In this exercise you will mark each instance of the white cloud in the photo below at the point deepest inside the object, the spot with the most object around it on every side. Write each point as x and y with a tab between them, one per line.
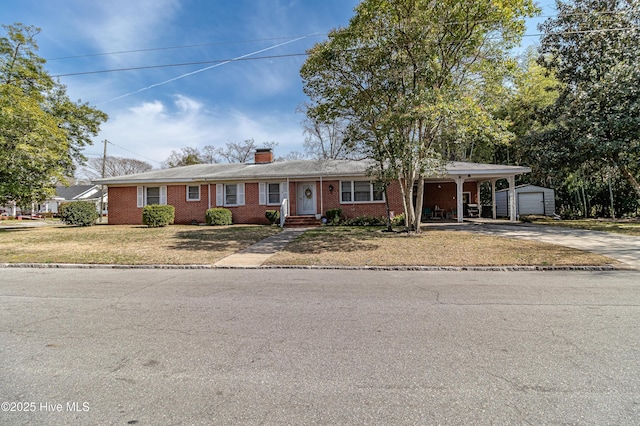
151	130
124	24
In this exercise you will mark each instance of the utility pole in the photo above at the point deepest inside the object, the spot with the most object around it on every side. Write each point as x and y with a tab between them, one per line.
104	164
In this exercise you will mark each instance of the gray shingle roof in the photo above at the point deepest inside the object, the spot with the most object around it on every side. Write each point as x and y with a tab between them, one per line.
71	192
297	169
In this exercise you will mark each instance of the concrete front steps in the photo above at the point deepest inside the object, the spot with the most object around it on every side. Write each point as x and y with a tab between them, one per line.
302	222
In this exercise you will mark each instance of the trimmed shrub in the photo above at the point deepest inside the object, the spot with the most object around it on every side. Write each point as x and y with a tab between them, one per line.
365	221
157	216
78	213
398	220
272	215
334	216
218	216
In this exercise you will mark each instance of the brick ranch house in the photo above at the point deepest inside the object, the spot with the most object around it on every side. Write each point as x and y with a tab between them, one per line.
306	188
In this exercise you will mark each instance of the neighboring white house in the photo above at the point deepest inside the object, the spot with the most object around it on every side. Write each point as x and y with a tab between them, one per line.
65	194
530	199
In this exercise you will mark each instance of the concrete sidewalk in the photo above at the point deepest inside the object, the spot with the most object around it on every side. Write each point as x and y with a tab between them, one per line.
256	254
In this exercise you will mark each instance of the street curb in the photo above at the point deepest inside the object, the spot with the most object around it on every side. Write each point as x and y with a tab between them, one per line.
511	268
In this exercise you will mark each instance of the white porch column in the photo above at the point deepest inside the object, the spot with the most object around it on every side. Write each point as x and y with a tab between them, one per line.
494	214
321	197
479	200
459	204
512	198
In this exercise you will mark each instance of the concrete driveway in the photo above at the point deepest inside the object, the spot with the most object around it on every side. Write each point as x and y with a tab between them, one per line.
623	248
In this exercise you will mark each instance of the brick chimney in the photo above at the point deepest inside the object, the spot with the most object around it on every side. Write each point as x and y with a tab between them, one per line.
263	156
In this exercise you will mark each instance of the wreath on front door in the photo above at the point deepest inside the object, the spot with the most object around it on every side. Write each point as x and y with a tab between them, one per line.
307	193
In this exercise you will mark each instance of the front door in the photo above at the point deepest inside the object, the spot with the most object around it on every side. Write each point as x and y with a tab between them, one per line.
306	198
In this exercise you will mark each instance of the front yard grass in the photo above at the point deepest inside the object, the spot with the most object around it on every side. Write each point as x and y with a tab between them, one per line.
327	246
354	246
127	245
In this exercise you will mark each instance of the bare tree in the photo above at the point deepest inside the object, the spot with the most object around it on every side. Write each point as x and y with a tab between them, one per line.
186	157
233	152
210	154
238	152
327	141
114	166
293	155
242	152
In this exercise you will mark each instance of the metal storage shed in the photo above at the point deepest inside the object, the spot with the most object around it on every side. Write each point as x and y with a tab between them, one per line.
530	199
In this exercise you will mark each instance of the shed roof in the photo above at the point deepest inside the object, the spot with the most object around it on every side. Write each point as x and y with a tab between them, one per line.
527	187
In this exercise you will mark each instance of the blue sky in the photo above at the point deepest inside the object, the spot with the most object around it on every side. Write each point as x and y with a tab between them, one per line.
154	111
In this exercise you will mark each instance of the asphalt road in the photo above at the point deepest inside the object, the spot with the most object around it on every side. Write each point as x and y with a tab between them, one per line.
224	347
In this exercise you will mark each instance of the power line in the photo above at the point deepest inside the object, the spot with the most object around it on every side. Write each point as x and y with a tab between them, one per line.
222	43
240	59
179	64
140	155
189	46
202	70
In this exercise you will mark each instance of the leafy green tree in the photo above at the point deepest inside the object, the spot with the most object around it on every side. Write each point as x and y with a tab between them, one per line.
533	90
42	132
593	47
415	81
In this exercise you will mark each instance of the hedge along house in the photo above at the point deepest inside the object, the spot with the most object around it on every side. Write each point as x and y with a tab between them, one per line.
300	188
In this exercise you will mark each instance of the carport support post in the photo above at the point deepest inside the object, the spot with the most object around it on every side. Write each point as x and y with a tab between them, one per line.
494	214
459	204
512	198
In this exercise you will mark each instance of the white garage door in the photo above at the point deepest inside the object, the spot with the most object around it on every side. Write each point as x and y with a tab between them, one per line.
531	203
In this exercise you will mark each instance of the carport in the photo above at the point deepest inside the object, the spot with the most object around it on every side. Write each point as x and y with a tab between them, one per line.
475	173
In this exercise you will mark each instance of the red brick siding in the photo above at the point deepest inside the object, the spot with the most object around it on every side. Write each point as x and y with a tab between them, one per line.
251	212
443	194
123	201
331	200
188	211
122	206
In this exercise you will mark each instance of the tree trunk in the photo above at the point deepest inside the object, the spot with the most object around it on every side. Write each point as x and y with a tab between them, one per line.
405	206
419	202
612	207
386	202
631	178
